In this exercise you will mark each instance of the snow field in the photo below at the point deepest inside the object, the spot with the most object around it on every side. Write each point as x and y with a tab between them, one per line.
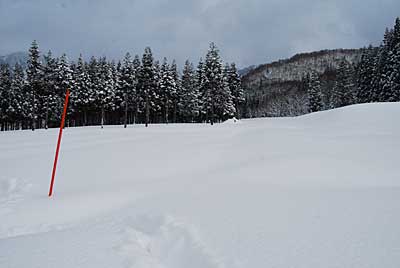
320	190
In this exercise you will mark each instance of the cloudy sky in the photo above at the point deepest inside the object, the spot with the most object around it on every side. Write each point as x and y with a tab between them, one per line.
246	31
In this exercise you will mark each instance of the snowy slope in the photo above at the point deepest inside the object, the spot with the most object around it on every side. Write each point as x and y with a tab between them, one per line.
322	190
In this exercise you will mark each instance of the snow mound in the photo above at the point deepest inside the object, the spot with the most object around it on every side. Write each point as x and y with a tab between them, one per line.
158	242
378	115
233	120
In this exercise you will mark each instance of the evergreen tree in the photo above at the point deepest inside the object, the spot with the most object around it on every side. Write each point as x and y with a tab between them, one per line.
213	82
394	76
5	88
94	76
224	100
380	81
147	82
64	74
15	108
200	86
157	102
343	91
127	85
235	87
136	96
176	90
365	75
391	88
64	81
34	84
314	93
105	90
50	97
167	86
189	103
82	96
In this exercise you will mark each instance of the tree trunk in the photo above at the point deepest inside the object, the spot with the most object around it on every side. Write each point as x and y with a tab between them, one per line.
212	112
147	110
46	124
33	123
136	112
102	117
33	113
126	110
84	117
166	110
237	110
175	111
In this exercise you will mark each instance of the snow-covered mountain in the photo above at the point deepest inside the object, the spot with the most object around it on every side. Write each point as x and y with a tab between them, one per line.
321	190
277	88
245	71
298	66
13	58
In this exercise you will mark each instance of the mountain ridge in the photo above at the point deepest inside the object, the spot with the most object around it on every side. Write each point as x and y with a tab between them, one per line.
278	88
15	57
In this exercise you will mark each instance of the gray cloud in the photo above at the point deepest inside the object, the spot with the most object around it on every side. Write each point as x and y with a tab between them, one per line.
247	31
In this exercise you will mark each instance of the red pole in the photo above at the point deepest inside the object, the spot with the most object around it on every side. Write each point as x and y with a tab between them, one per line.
58	143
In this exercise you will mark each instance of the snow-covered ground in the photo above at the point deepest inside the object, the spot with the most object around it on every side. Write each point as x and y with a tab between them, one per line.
322	190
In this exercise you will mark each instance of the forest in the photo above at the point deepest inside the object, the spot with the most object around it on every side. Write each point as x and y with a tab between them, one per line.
132	91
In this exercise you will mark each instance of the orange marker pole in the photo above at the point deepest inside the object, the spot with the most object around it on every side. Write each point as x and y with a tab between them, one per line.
59	142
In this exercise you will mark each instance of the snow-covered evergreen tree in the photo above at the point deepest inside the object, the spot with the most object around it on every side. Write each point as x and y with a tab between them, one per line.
34	84
136	97
51	95
394	75
381	69
343	91
157	101
176	91
147	82
167	86
5	88
314	93
64	81
365	75
213	82
235	87
200	85
82	95
189	101
16	96
105	90
64	74
127	85
225	106
391	85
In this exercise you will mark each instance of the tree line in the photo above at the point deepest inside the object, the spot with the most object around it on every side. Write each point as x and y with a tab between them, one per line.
375	78
132	91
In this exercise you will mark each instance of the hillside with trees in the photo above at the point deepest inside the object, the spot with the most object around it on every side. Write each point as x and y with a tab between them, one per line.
325	79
